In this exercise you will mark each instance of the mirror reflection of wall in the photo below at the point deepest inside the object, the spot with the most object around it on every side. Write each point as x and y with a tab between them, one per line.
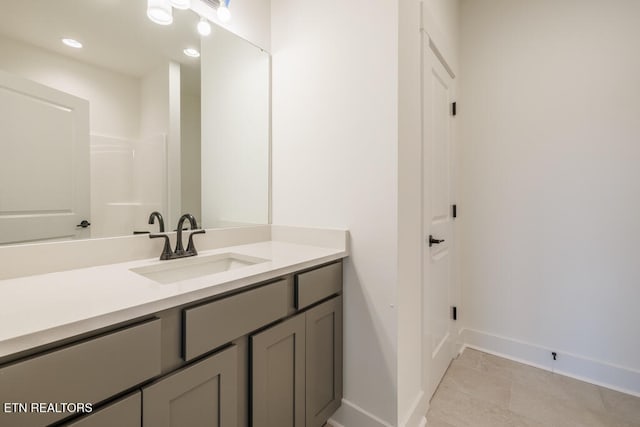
128	131
235	132
145	124
190	136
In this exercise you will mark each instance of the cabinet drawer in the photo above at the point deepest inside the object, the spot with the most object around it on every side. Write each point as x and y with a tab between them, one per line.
214	324
315	285
87	372
126	412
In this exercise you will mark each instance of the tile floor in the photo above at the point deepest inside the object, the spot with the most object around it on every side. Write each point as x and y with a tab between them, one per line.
482	390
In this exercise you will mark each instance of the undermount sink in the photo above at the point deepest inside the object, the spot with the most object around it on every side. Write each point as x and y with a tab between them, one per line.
191	268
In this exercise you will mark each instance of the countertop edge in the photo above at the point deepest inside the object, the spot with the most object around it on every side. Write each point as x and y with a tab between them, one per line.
50	336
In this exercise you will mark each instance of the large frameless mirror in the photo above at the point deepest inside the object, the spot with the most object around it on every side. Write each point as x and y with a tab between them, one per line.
128	123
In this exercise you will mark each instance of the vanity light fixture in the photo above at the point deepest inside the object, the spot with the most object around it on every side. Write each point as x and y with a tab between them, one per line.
72	43
193	53
160	11
224	15
204	27
180	4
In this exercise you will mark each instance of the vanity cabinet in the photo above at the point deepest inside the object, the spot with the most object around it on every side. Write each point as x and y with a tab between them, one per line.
266	355
296	369
203	394
278	375
125	412
89	371
324	361
317	284
216	323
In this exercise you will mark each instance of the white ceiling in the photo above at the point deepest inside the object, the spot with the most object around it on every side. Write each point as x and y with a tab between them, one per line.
116	33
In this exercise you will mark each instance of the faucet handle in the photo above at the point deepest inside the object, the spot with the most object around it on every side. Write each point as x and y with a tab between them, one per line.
191	249
167	253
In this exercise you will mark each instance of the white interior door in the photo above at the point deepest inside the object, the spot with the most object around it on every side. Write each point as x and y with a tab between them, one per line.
44	162
437	218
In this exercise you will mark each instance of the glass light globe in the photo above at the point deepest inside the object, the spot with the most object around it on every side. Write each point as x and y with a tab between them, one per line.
180	4
204	27
224	15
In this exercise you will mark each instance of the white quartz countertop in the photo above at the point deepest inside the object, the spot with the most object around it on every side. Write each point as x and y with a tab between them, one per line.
41	309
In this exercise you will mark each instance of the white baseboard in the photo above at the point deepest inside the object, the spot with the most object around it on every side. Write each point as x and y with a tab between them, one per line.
416	412
351	415
604	374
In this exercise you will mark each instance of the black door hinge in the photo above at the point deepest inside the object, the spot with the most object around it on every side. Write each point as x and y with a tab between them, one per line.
453	109
454	312
454	211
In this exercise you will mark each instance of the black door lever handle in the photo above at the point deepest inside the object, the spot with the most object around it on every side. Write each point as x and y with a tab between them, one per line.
433	241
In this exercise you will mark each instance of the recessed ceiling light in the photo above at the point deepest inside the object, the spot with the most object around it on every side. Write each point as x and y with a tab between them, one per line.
160	12
72	43
191	52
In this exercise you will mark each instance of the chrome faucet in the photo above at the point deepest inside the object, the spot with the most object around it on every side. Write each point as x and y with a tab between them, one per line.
179	252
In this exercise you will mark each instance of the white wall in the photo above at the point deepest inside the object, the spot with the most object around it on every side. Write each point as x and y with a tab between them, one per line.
235	131
155	102
190	159
549	112
174	176
114	98
412	401
114	114
152	159
335	131
441	19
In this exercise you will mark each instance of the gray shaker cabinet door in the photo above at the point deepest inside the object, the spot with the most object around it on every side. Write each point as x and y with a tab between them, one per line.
278	375
91	370
324	361
201	395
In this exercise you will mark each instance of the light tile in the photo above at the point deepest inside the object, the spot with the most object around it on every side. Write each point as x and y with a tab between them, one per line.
486	363
480	389
516	420
433	421
625	406
568	390
545	407
482	385
462	410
